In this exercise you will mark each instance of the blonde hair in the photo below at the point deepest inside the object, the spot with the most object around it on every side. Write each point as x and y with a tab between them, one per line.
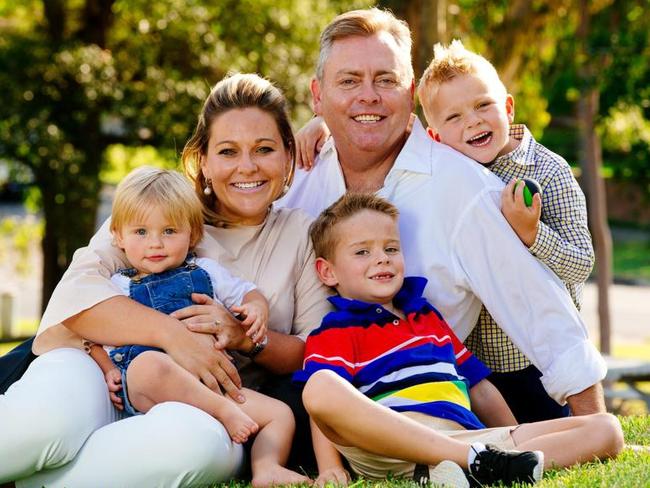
238	91
323	230
449	62
146	187
365	23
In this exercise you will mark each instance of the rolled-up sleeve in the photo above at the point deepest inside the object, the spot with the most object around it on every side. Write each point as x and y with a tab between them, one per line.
527	300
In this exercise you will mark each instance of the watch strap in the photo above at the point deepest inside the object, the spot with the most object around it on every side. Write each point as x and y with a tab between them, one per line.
258	347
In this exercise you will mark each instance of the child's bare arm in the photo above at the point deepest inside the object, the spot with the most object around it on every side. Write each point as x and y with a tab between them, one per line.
100	356
328	459
255	309
309	142
489	405
112	375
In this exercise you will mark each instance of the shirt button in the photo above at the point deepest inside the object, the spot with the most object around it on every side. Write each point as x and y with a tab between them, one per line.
378	310
117	357
395	322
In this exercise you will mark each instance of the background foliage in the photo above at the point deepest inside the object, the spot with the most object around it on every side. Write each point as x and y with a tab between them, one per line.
94	87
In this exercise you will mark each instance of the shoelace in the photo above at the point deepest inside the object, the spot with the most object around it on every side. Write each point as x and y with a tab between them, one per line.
489	471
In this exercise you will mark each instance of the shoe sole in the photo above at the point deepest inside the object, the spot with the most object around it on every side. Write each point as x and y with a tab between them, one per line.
538	471
449	475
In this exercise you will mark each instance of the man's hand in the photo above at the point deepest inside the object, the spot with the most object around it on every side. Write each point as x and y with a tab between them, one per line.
114	382
523	220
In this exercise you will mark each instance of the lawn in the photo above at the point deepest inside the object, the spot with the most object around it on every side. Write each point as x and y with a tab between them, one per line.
630	470
631	260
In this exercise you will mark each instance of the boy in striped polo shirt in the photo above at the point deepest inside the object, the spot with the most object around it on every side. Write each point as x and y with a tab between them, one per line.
389	385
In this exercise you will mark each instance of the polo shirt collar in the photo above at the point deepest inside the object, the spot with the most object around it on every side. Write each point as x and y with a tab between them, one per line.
408	299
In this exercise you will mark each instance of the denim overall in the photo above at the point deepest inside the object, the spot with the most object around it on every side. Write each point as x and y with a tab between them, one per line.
166	292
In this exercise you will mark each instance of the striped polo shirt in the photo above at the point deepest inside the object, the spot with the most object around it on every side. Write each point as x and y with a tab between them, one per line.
412	364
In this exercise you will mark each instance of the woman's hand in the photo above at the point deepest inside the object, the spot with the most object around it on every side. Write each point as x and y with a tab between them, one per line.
202	319
214	369
209	317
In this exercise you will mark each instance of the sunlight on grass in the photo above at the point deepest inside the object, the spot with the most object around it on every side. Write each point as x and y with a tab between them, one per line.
631	260
635	351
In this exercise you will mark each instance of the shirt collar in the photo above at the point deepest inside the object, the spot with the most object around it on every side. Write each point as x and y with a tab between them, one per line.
409	299
523	154
417	152
328	147
415	156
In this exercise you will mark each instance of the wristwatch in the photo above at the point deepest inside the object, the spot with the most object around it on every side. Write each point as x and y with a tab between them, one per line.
258	347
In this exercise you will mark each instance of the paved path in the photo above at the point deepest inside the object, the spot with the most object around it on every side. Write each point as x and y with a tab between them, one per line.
630	313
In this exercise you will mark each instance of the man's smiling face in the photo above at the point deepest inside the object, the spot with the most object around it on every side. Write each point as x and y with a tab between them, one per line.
366	93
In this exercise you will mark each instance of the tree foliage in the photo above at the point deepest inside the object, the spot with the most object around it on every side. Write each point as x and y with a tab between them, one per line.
82	75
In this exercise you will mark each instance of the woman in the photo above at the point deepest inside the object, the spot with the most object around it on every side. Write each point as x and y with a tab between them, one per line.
58	425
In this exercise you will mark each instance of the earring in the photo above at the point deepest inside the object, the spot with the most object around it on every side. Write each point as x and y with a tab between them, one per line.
207	191
285	188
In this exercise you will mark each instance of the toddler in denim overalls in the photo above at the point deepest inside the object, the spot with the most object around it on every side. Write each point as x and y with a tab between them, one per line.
167	292
157	219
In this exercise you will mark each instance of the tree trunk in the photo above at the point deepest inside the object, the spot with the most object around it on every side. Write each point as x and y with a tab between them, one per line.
428	22
69	215
70	190
591	161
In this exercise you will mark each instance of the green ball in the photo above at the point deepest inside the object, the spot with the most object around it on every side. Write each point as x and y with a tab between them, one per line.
531	188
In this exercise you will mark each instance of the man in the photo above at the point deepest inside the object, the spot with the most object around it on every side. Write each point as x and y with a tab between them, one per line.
452	227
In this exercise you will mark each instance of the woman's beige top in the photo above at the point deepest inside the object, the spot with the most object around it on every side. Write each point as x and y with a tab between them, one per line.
277	256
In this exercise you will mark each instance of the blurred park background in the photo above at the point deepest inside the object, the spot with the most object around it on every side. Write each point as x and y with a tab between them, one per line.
92	88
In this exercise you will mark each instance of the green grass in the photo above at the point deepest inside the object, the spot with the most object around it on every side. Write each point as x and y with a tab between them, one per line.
632	260
631	469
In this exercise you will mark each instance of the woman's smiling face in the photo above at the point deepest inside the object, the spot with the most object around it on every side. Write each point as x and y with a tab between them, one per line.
247	162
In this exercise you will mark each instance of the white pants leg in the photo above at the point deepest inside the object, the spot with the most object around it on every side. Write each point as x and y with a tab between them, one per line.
172	445
47	416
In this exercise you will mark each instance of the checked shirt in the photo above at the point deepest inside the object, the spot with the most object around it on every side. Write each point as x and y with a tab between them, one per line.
563	241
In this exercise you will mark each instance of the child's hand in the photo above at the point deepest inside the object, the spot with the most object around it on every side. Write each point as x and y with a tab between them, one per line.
114	383
523	220
336	475
256	317
309	142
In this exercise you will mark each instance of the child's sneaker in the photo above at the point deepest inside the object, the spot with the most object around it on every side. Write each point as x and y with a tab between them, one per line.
448	474
494	465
